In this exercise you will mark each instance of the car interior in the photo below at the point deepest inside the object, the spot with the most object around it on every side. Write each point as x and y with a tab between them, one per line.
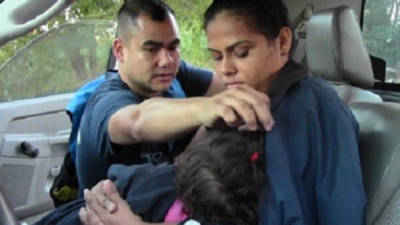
335	51
328	41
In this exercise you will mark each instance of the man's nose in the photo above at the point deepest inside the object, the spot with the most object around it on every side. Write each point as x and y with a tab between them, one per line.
166	58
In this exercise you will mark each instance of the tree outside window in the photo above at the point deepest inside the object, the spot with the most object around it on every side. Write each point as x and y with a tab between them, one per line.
381	31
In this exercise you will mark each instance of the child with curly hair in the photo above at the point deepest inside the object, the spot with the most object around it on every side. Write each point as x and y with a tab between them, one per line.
217	180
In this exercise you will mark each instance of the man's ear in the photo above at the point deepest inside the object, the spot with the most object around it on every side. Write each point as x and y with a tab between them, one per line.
285	40
118	49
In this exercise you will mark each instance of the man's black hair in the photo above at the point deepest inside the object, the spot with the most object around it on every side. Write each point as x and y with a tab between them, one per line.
264	16
219	178
157	10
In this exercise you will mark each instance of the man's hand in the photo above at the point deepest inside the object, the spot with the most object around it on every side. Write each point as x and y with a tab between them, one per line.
104	206
241	106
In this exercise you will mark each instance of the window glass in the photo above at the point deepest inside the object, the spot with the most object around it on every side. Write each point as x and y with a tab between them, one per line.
57	61
74	47
189	14
381	31
61	55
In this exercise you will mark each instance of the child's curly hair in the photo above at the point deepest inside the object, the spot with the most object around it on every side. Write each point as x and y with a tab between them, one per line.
219	178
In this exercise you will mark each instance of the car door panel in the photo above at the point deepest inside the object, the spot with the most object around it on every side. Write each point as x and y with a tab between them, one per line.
26	179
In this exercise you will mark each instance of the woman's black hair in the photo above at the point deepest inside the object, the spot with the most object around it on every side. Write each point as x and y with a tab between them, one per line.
264	16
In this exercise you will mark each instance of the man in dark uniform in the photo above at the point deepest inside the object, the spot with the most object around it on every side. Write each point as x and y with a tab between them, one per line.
312	162
141	114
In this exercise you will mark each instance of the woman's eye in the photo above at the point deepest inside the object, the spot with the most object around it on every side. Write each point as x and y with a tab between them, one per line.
216	57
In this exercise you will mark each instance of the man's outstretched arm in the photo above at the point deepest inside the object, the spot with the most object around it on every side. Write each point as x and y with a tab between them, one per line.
161	119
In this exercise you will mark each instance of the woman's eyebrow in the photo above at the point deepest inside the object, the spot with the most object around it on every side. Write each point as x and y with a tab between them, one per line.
232	46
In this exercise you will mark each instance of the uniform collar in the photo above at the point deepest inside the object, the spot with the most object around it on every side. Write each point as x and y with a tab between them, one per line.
290	74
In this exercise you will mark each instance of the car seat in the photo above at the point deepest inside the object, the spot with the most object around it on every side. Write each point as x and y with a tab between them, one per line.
336	52
380	159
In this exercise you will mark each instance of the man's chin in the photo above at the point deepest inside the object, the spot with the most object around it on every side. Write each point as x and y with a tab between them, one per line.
164	86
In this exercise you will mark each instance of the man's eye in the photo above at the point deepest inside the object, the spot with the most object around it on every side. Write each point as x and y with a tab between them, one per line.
242	54
151	50
174	48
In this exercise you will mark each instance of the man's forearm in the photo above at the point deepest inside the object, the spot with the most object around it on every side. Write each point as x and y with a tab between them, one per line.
156	119
161	119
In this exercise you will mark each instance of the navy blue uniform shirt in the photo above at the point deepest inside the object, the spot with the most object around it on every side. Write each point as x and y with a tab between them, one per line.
95	151
312	159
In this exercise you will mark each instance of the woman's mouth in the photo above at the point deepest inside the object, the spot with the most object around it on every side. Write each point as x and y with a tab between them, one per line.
233	84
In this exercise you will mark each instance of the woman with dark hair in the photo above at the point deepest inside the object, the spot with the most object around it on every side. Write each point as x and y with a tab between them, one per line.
313	166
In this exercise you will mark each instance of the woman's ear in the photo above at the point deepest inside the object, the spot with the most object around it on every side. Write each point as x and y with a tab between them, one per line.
285	40
118	49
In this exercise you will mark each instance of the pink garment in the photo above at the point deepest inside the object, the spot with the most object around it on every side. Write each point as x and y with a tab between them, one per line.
176	212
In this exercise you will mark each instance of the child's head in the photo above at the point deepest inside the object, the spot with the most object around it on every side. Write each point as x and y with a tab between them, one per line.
219	178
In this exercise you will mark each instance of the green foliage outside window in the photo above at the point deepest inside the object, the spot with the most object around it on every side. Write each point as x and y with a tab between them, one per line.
381	31
58	58
190	20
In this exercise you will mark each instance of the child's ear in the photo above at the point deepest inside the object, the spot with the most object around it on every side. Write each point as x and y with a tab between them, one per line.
285	40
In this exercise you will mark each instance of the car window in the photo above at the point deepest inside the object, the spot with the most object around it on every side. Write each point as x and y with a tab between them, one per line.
381	32
57	61
60	55
74	47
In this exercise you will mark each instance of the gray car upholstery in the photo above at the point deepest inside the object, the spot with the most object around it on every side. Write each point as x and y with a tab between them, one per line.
380	159
18	17
336	52
7	215
350	94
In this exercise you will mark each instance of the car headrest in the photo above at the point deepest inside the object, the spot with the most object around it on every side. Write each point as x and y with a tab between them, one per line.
335	48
